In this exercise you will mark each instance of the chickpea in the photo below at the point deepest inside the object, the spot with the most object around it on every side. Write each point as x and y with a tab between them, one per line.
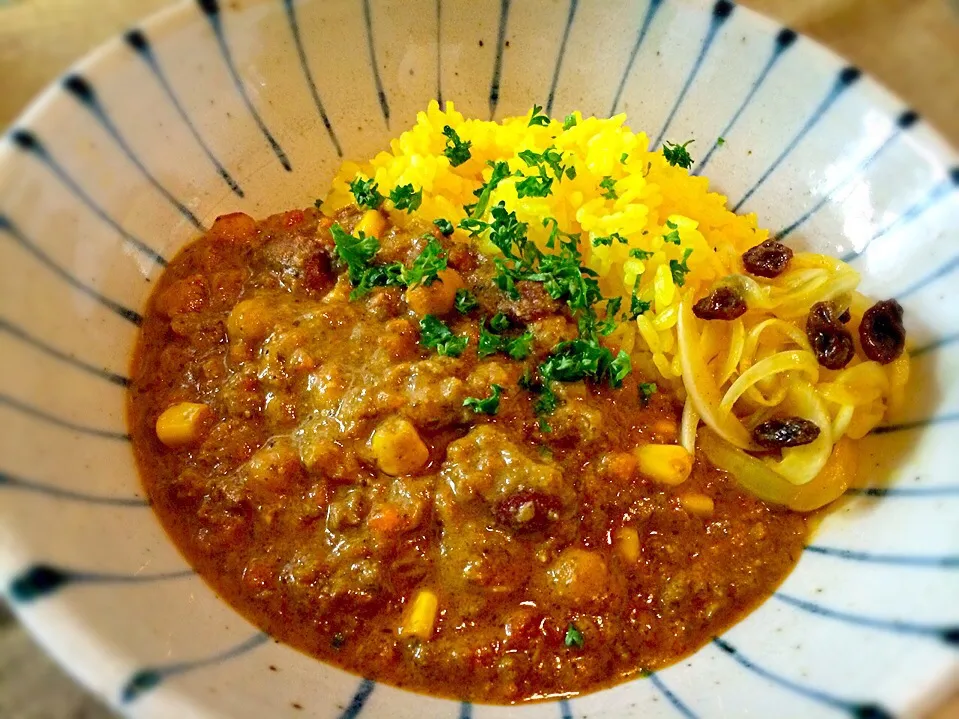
579	577
436	298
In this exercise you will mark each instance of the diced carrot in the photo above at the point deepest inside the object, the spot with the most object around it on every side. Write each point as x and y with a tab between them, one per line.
385	519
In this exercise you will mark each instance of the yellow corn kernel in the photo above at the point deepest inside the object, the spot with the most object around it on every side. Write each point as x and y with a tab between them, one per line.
665	463
420	616
182	424
627	543
397	447
698	504
371	224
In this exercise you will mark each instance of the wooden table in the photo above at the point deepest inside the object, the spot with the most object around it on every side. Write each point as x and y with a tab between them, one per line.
910	45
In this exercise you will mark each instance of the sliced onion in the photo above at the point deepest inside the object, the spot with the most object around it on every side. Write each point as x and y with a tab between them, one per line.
688	427
737	339
790	331
790	361
800	465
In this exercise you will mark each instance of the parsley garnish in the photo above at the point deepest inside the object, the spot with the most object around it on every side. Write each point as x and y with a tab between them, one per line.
640	254
636	305
608	240
578	359
673	235
434	334
646	390
500	173
519	347
534	186
427	265
720	140
623	158
366	193
677	155
609	184
569	122
489	343
499	322
444	226
550	158
457	151
679	269
404	198
607	326
489	406
465	301
537	118
574	637
318	204
356	252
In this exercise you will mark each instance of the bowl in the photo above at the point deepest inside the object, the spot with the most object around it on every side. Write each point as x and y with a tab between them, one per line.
210	108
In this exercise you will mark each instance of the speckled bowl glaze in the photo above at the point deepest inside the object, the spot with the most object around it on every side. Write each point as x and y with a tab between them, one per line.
207	109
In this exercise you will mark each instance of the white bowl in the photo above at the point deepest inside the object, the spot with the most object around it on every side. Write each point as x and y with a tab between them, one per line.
204	111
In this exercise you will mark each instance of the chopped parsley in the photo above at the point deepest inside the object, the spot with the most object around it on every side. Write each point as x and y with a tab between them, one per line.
646	390
549	158
569	122
609	239
366	193
357	253
318	204
609	184
679	269
444	226
404	198
489	343
639	254
677	155
672	236
578	359
500	172
427	265
636	305
574	637
489	406
499	322
623	158
465	301
534	186
457	151
607	326
720	141
538	118
434	334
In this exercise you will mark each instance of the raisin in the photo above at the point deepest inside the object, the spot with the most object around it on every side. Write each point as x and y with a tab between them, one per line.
831	342
785	432
845	317
768	259
723	303
881	332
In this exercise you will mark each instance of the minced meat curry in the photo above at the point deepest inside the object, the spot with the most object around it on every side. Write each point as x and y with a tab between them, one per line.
357	445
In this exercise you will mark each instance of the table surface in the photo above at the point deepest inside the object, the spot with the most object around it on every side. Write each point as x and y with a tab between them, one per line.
912	46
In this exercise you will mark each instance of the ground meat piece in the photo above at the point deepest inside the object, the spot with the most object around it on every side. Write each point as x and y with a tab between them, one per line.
831	342
723	303
299	262
533	303
881	332
785	432
186	295
528	511
768	259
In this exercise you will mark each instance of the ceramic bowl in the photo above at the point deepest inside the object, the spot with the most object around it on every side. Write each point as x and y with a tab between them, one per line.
249	106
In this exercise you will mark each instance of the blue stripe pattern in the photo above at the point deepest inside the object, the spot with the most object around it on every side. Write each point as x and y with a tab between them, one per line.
570	17
83	91
211	8
678	705
466	710
9	481
844	80
854	709
141	46
31	411
308	74
360	696
11	230
27	141
944	270
899	560
25	337
147	679
784	40
905	492
380	92
906	120
935	345
42	580
947	634
498	62
651	9
917	424
565	709
721	12
938	193
439	53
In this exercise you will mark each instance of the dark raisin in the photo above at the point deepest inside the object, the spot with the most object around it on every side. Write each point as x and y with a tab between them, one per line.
881	332
527	510
831	342
768	259
845	317
723	303
785	432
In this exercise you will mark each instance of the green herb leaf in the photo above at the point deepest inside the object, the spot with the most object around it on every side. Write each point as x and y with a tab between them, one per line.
609	239
618	369
489	343
356	252
519	347
366	193
571	172
534	186
427	265
444	226
679	269
489	405
500	173
608	325
457	151
672	237
499	322
536	118
640	254
646	390
574	637
609	184
636	305
434	334
378	276
677	155
623	158
569	122
405	198
465	301
720	141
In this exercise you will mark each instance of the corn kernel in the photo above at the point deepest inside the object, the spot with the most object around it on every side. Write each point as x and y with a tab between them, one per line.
627	543
665	463
420	616
182	424
371	224
397	447
698	504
